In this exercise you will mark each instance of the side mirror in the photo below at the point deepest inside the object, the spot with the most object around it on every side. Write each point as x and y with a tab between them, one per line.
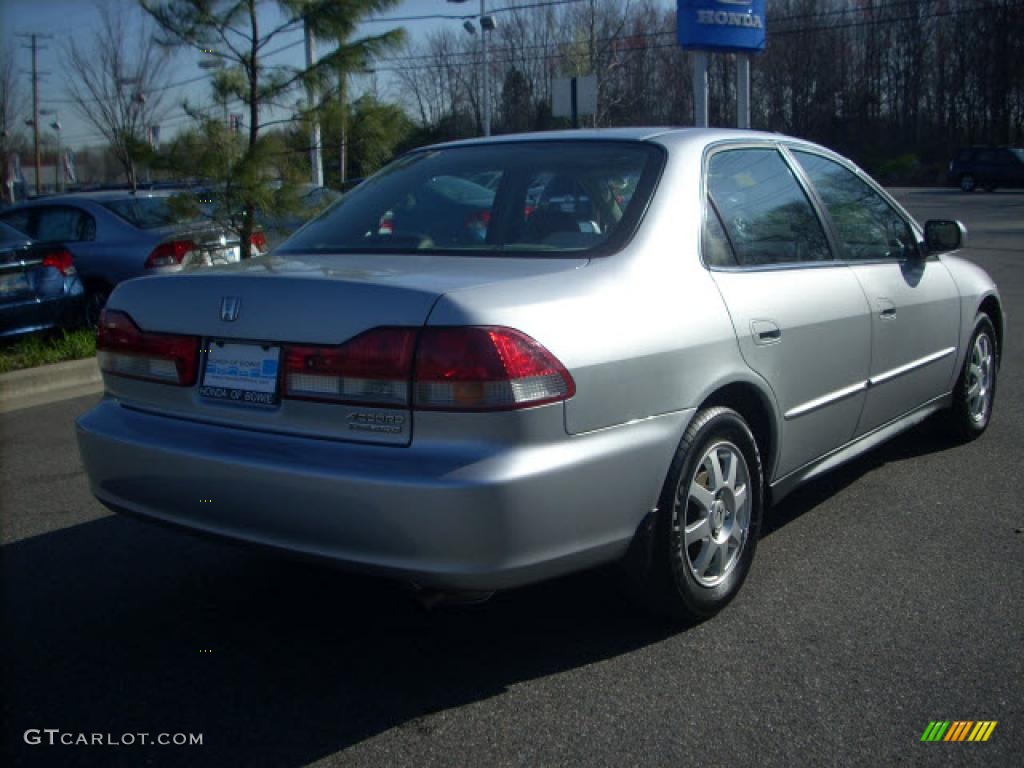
942	236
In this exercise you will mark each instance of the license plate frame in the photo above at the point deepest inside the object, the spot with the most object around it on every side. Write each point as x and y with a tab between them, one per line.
245	373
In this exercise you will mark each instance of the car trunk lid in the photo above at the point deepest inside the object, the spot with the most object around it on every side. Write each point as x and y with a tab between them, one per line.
280	303
210	244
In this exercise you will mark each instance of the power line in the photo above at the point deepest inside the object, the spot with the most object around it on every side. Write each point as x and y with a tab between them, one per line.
465	16
459	58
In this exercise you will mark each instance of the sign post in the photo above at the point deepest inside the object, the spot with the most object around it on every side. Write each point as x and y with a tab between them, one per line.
700	89
574	96
733	26
743	91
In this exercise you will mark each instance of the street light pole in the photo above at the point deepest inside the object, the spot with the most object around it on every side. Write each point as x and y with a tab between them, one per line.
58	169
487	24
315	159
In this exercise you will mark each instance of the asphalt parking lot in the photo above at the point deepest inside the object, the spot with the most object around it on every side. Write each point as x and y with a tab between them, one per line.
884	596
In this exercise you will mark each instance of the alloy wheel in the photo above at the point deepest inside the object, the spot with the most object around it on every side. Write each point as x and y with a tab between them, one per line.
980	374
715	514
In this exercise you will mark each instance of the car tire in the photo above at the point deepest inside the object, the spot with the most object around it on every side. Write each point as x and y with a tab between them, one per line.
708	519
990	187
975	390
968	183
96	296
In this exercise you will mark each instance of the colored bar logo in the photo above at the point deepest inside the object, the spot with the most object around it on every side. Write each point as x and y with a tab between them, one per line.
958	730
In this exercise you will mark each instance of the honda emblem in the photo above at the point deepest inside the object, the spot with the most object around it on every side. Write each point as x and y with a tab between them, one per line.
229	307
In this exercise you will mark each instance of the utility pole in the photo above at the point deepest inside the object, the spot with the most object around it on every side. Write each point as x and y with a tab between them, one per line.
486	72
315	158
35	48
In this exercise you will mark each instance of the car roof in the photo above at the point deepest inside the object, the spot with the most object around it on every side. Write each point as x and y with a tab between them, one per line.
662	134
95	197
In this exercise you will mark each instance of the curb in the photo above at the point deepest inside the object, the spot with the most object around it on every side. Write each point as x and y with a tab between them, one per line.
48	383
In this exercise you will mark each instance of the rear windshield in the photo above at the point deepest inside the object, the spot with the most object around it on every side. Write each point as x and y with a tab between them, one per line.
147	212
520	198
11	235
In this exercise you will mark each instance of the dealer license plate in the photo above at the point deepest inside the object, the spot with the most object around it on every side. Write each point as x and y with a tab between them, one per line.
241	373
13	284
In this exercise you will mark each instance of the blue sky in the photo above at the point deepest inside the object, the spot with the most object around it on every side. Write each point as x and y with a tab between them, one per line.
64	18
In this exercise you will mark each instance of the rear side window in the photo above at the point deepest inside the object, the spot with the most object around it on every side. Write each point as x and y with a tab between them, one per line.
715	243
64	223
519	198
868	226
148	212
767	216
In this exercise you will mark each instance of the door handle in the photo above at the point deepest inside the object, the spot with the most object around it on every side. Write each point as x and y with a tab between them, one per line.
886	309
765	332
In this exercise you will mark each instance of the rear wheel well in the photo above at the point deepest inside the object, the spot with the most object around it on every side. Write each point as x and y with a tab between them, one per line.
752	405
96	284
990	306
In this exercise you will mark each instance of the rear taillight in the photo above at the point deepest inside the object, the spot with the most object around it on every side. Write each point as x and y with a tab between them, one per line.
60	260
170	253
123	349
453	369
258	241
485	369
373	368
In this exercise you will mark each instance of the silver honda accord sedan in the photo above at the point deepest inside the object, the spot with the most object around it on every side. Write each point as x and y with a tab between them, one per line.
497	361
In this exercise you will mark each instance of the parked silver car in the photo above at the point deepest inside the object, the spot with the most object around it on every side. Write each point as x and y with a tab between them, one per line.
634	379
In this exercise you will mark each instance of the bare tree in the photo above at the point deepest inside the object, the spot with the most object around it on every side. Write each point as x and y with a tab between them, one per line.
118	81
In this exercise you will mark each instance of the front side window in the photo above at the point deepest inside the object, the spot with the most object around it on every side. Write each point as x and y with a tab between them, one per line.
540	198
766	214
868	226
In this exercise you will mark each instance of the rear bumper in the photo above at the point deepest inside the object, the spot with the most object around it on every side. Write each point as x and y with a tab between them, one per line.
39	314
457	516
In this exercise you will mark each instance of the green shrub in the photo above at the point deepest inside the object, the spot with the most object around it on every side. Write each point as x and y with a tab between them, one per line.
32	351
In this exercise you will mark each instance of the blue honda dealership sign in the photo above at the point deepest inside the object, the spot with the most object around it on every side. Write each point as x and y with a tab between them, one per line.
721	25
